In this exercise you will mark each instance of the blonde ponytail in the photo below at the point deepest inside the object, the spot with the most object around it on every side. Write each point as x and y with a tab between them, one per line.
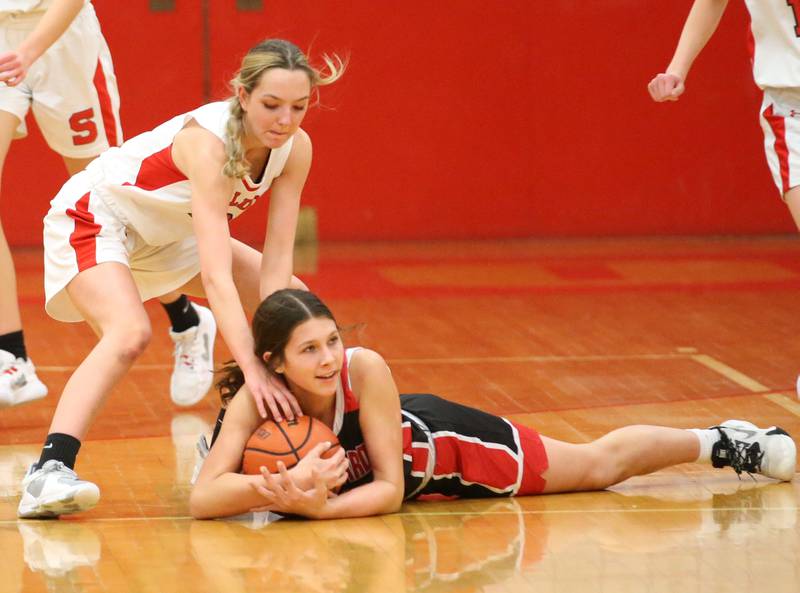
236	166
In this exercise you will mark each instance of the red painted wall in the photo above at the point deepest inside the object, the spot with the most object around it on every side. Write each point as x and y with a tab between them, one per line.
468	119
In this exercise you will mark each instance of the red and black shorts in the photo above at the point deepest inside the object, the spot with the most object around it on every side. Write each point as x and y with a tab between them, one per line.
453	450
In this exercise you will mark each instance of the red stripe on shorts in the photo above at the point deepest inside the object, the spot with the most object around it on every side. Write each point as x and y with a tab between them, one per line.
475	462
107	111
84	238
535	462
419	455
778	125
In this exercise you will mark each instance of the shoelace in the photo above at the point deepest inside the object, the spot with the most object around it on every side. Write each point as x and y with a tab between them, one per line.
55	467
742	457
188	349
58	466
9	367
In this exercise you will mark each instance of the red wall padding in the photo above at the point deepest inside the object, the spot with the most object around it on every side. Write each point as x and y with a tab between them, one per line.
461	118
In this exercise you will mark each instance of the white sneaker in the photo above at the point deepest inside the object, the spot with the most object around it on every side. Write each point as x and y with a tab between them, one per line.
18	381
55	490
746	448
57	548
194	359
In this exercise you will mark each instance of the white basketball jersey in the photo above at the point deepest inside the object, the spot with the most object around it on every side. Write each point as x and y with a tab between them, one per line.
17	7
775	25
141	184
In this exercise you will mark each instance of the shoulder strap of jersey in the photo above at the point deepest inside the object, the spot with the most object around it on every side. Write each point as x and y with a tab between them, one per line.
346	401
350	399
211	116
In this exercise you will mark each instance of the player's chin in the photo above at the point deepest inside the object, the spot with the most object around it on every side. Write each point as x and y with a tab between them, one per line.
274	140
325	387
316	387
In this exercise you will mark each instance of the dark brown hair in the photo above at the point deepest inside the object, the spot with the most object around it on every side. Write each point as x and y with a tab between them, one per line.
273	324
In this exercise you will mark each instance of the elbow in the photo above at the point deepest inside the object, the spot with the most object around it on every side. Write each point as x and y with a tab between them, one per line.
396	501
197	508
209	281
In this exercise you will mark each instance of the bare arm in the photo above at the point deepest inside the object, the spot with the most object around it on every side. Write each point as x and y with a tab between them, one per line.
221	491
700	25
199	154
57	19
381	426
380	421
284	206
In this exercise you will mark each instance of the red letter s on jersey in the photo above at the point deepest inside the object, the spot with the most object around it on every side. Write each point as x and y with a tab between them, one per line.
82	123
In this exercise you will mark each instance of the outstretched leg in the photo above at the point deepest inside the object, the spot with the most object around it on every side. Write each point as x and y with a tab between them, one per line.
621	454
637	450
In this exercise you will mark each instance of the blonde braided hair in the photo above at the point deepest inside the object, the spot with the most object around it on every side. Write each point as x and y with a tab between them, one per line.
271	53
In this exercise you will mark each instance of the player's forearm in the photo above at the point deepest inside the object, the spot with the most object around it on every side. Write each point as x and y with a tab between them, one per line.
700	25
225	495
276	274
230	317
376	498
52	25
277	261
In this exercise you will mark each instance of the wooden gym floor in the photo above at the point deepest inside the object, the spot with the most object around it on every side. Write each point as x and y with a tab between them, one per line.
572	337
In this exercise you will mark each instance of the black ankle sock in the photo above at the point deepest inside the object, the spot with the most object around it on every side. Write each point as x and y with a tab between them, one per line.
14	342
61	447
181	314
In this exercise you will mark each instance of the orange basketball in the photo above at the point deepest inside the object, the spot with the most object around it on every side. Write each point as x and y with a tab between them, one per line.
288	441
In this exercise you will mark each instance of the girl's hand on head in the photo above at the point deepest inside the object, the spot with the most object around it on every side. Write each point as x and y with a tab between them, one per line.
270	393
13	67
666	87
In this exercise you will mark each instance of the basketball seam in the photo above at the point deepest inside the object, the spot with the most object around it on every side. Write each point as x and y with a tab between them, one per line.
268	452
289	441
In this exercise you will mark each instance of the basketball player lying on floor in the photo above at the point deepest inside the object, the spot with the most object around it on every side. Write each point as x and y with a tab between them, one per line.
408	446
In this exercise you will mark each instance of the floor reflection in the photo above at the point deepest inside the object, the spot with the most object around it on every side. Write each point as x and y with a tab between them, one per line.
55	548
591	541
479	545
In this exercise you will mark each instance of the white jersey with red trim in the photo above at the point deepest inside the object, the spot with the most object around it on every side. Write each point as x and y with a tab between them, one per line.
23	6
775	25
19	7
142	186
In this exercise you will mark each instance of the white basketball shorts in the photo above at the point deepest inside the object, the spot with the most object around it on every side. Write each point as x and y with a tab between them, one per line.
71	88
80	232
780	121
